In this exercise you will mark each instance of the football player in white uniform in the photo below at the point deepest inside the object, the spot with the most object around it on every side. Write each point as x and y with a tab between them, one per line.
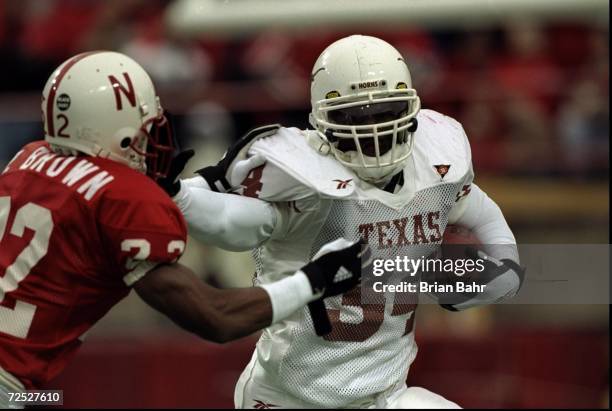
376	166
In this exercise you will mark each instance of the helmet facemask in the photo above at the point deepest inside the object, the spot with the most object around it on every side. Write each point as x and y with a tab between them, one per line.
371	133
154	147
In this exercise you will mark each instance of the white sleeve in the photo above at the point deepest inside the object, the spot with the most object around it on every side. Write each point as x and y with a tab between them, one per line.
228	221
479	213
195	182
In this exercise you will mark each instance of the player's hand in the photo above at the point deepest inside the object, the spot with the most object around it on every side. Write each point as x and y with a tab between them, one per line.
171	183
337	267
502	279
222	178
494	267
236	164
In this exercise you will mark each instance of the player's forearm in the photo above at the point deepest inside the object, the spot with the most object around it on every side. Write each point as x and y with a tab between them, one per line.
483	217
501	280
213	314
243	311
228	221
221	315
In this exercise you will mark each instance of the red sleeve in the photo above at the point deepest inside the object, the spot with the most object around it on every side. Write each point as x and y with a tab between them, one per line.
140	228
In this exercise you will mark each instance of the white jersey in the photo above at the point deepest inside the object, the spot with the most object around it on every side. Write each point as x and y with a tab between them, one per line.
318	200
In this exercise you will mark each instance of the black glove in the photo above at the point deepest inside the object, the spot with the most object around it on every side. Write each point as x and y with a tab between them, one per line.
216	176
171	183
322	272
493	269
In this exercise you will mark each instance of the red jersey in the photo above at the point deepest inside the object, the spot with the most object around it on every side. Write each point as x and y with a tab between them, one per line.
75	234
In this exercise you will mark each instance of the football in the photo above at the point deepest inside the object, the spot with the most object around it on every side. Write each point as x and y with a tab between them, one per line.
455	234
456	240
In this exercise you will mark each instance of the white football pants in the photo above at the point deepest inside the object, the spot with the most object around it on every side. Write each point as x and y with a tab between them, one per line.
254	391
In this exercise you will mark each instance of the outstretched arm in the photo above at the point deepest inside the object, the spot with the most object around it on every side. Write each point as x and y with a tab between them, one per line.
232	222
213	314
228	221
222	315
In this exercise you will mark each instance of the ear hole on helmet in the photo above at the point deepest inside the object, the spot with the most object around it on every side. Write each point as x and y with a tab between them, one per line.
125	143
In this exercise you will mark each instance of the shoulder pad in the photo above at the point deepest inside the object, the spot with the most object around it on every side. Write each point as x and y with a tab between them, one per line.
238	150
441	150
259	132
218	177
290	152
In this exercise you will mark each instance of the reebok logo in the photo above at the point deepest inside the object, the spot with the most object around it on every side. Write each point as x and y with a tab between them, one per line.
260	405
342	184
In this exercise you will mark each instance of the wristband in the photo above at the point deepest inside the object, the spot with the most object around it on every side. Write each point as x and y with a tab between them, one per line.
288	295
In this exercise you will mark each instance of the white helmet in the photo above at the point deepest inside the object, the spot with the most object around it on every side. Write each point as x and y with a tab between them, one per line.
104	104
364	106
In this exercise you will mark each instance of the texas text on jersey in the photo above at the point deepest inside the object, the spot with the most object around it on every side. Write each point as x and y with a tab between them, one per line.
75	233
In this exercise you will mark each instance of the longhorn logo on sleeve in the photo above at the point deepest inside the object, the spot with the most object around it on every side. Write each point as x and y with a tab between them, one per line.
442	169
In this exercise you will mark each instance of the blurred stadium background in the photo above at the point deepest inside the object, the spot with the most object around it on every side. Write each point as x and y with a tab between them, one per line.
529	80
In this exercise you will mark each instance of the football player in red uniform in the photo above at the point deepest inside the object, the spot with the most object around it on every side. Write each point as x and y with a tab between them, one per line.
82	222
